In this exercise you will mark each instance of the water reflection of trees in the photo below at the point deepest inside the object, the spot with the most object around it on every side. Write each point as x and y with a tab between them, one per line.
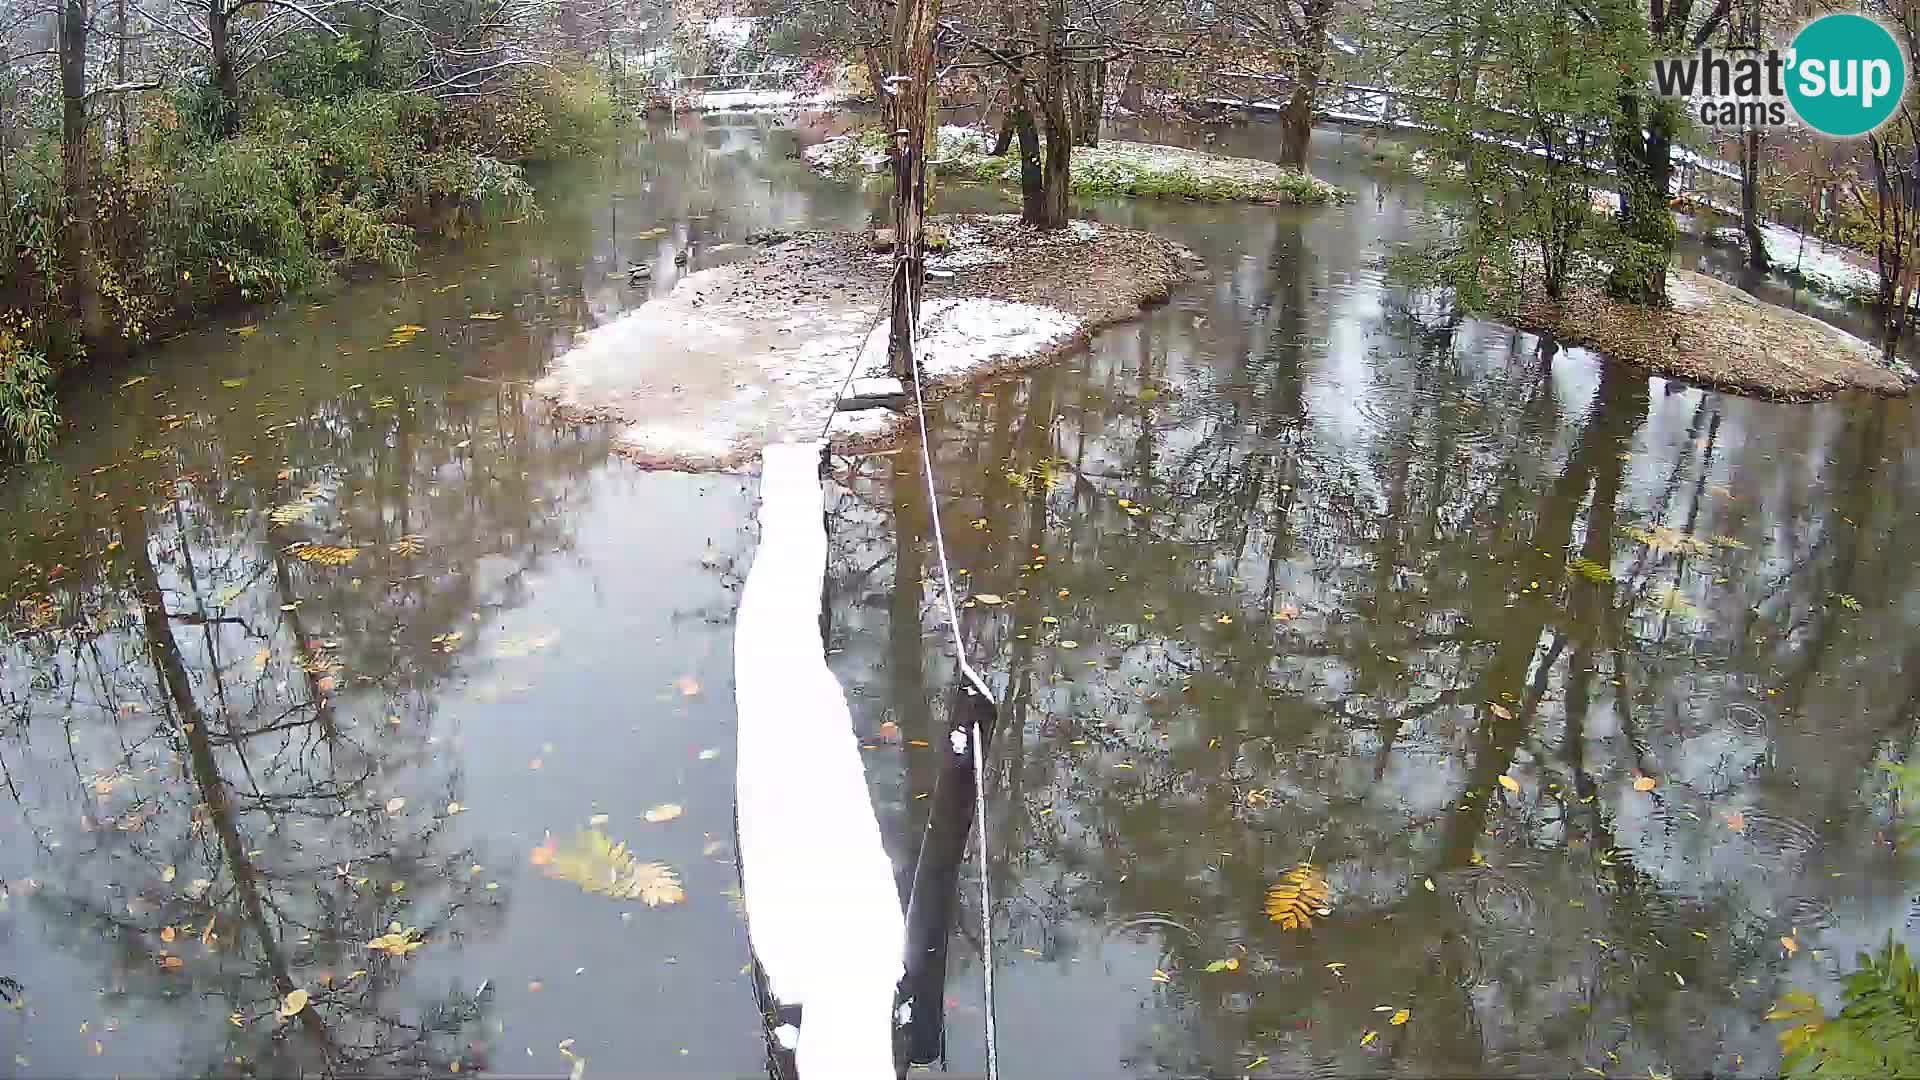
1351	608
228	760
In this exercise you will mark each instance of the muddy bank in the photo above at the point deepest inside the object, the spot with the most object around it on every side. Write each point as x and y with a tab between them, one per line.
758	351
1718	336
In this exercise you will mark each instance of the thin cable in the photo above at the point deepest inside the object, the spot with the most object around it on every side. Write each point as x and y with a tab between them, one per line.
854	367
979	686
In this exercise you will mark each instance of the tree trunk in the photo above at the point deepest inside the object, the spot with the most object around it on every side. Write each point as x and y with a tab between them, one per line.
9	103
1056	173
226	75
910	106
1133	91
1089	90
1309	64
123	133
1004	141
1645	166
76	239
1750	166
1750	202
1032	173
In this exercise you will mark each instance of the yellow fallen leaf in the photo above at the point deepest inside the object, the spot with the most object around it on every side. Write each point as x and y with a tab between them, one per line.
1161	976
1367	1039
296	1000
664	812
1737	821
486	316
1510	783
1401	1017
454	808
167	873
1501	711
1430	885
167	934
1790	945
1645	783
1232	963
989	598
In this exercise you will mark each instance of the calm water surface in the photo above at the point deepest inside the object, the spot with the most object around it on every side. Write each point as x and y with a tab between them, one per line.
1295	570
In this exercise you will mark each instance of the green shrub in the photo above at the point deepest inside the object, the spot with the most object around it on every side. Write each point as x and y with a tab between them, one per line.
28	418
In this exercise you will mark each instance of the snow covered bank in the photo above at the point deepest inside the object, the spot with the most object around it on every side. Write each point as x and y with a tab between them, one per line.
1112	168
758	352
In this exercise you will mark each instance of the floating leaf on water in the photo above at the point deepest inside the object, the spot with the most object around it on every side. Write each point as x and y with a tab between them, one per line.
1161	976
295	1001
1232	963
1737	821
598	865
1429	885
233	384
1510	783
1645	783
1367	1039
1790	945
325	554
168	933
245	331
1847	601
1500	711
486	316
167	872
396	804
1401	1017
664	812
989	599
1591	570
1668	540
397	941
687	685
135	381
1297	896
291	513
408	545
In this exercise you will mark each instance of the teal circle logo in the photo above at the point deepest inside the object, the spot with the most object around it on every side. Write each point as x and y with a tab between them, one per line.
1847	75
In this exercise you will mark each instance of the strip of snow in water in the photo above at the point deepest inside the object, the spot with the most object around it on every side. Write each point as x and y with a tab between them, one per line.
822	911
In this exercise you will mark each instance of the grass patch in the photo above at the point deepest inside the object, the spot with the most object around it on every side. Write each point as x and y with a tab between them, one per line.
1139	170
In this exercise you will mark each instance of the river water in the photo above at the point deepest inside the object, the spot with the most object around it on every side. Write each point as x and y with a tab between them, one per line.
1570	684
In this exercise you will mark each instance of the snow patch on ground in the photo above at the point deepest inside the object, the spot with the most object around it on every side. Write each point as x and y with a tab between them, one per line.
752	100
1685	295
706	388
963	338
1823	266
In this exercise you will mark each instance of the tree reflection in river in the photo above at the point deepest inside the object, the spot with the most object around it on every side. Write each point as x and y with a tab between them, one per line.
1351	603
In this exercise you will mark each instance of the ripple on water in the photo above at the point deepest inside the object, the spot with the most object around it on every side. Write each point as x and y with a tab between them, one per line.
1809	913
1502	910
1141	922
1771	834
1747	719
1384	410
